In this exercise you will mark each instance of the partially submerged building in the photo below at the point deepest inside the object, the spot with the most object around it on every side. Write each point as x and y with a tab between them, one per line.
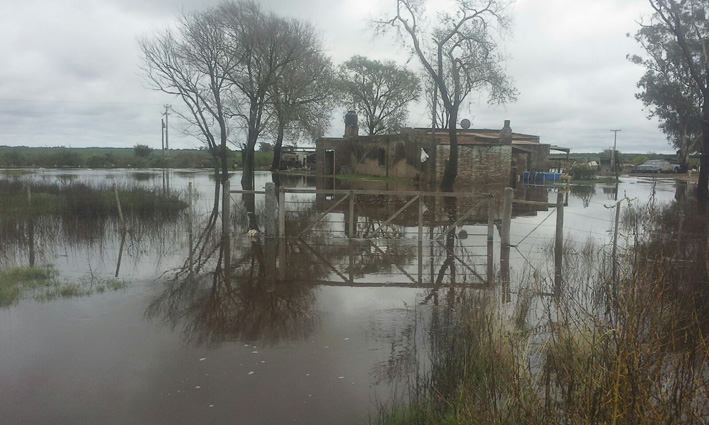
485	156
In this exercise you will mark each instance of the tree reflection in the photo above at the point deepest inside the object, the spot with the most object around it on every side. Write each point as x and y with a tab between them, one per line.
671	244
239	297
585	192
251	305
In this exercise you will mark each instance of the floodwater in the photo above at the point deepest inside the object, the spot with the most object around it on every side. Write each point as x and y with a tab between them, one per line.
318	344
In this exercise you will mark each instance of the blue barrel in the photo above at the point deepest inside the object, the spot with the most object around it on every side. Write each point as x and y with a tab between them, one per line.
539	177
549	177
526	176
557	177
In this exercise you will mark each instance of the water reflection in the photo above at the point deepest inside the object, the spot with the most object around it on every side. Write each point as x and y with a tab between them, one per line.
248	304
585	192
40	218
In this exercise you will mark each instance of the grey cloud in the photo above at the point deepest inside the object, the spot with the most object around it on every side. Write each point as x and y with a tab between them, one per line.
83	56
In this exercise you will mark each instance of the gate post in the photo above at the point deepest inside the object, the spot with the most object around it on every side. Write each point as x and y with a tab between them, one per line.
352	224
281	213
506	217
270	225
559	243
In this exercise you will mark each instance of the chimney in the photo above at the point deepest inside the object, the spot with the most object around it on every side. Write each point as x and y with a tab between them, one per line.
351	127
506	134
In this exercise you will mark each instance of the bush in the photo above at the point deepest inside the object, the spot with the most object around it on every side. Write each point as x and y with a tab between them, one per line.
67	158
582	172
142	151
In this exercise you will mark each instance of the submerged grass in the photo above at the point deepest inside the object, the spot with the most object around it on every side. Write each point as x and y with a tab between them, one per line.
43	284
77	199
634	350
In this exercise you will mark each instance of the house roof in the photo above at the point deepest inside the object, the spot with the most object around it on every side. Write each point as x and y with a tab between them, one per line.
475	136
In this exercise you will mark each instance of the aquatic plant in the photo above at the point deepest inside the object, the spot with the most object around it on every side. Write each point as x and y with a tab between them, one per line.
629	350
44	284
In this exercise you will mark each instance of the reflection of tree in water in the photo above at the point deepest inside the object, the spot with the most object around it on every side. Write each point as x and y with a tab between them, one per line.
244	302
672	245
585	192
251	306
267	294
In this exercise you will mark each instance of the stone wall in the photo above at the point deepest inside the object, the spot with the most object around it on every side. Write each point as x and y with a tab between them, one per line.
538	158
479	164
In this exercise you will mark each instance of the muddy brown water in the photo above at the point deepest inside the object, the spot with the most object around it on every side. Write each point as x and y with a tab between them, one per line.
160	351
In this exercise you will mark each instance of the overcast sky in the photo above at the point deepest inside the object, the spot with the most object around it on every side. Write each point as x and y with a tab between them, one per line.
71	73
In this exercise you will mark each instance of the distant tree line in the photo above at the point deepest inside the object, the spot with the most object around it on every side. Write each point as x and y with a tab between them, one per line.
62	157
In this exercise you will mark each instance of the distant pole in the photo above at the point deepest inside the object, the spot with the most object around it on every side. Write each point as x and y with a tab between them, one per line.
613	157
167	143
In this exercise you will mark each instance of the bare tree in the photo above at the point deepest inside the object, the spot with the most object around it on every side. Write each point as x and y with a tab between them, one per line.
435	104
193	63
460	55
265	48
686	23
378	91
303	95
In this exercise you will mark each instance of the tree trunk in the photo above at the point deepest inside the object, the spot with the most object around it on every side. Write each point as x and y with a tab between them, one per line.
703	189
247	178
683	153
223	153
451	169
276	164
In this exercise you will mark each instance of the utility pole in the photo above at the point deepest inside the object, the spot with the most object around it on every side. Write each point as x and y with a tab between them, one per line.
613	157
166	148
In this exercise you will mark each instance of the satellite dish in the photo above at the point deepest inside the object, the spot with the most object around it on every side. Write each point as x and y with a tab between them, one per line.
465	123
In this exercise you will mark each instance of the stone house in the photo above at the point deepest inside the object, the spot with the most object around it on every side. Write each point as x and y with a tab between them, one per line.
485	156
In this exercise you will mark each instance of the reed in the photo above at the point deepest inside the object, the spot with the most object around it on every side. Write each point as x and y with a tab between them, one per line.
634	350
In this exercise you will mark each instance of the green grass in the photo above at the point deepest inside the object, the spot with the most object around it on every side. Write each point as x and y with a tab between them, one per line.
43	284
16	281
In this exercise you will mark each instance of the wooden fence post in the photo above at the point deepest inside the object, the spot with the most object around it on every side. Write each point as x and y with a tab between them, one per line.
559	243
352	224
226	229
507	217
120	210
420	237
190	224
30	225
490	217
615	243
269	226
281	213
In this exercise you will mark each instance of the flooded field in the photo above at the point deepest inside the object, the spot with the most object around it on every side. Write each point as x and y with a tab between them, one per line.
300	330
